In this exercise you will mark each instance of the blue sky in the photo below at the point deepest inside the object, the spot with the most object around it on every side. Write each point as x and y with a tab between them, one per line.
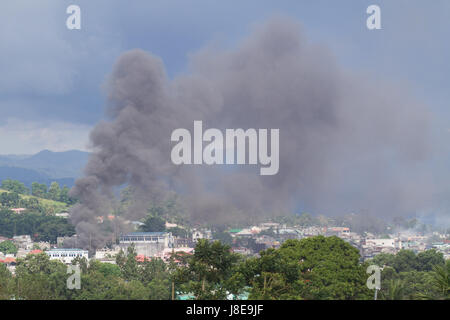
51	77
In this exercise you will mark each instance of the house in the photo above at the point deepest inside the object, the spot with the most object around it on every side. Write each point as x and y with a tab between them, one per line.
242	250
268	225
201	234
166	254
10	263
342	232
380	243
245	233
235	231
23	242
184	242
107	254
18	210
171	225
142	258
62	215
43	245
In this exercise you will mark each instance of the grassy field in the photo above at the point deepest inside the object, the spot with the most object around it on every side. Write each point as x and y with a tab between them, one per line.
51	205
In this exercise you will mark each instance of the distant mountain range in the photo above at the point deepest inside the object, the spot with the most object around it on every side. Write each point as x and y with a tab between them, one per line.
44	167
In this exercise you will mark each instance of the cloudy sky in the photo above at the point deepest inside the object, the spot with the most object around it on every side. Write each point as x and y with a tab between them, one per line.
51	78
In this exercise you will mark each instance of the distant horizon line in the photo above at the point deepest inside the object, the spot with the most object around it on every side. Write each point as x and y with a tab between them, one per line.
43	150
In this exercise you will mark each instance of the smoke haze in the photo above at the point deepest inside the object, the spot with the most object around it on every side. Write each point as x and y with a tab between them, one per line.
347	143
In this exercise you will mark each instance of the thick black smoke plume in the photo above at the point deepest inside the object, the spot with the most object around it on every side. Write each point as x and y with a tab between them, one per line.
347	144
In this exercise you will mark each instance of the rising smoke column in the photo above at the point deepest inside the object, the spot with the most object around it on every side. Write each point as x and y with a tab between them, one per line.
346	143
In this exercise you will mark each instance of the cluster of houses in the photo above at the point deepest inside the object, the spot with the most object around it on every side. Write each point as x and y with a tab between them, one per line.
247	241
26	246
369	245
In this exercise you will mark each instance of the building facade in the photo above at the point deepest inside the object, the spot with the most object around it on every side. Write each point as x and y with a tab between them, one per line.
147	243
67	255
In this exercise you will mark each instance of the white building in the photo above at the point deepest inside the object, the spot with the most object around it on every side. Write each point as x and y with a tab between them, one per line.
147	243
107	254
67	255
62	215
381	242
201	234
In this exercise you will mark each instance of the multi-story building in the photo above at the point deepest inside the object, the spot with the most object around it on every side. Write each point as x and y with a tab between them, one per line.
147	243
67	255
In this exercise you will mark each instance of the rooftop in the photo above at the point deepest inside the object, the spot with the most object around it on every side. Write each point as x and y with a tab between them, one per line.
65	249
137	234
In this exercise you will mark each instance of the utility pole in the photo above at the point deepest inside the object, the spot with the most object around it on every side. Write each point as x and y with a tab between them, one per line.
173	290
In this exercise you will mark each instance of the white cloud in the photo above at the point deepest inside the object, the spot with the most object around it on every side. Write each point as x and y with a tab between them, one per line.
27	137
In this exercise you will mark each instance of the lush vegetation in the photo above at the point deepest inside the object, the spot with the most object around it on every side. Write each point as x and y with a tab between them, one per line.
38	277
407	275
39	226
38	191
311	268
8	247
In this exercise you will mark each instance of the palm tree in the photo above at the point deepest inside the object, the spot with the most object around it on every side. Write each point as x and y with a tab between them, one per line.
441	281
395	290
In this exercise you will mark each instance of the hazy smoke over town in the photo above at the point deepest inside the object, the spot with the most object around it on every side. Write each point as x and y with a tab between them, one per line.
347	143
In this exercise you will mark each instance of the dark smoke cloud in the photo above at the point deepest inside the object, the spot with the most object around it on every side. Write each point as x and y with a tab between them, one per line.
347	143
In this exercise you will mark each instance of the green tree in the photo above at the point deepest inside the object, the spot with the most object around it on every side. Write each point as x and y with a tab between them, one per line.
154	224
311	268
40	227
8	247
65	197
383	259
426	260
394	290
14	186
9	199
223	237
5	282
441	280
208	270
178	232
109	270
39	278
39	190
128	264
54	192
405	260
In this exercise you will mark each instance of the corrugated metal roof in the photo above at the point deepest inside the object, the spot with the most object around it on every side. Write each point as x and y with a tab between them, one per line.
134	234
65	249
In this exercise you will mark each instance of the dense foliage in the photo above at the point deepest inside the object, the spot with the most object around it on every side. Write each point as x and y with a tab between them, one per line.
41	227
407	275
312	268
14	186
39	190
